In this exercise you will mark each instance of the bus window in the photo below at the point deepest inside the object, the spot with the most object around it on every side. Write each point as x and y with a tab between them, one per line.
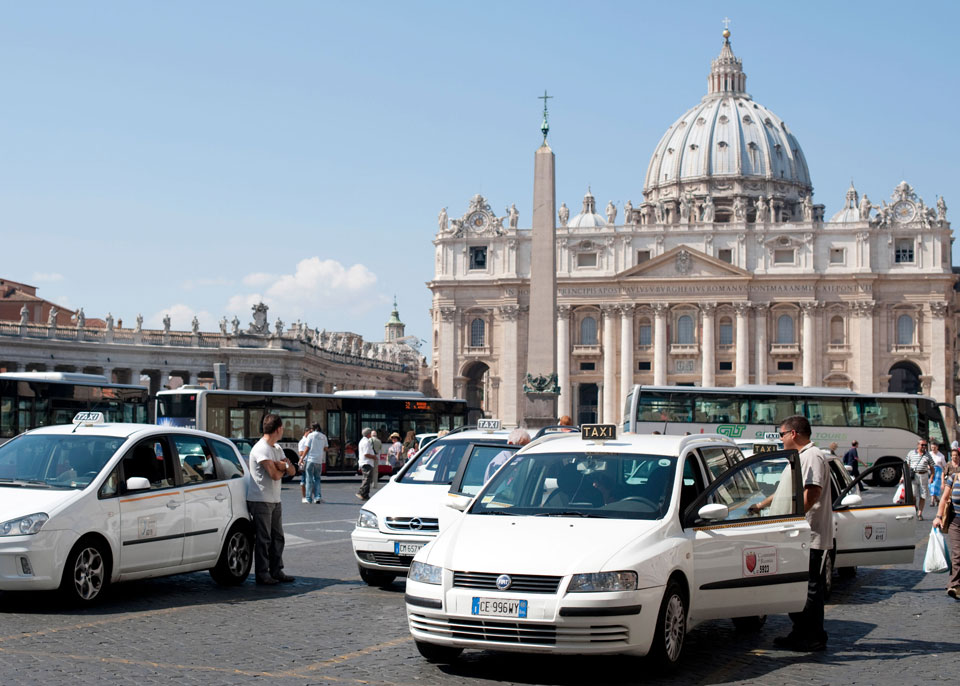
655	406
8	427
826	411
931	421
238	422
773	409
714	409
894	413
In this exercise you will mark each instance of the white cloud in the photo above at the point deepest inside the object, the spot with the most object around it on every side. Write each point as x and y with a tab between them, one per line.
47	277
181	318
190	284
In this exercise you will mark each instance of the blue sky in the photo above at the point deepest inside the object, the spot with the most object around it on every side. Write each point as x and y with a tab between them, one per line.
192	157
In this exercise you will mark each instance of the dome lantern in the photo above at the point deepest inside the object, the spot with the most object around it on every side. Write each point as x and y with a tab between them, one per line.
726	72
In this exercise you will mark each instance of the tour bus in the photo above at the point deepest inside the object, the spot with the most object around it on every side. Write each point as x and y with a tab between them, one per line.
886	425
342	415
29	400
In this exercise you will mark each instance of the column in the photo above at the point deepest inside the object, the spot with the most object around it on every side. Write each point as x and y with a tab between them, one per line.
940	365
809	346
609	410
763	354
708	349
743	343
563	360
660	344
626	353
448	342
509	364
233	381
864	310
108	372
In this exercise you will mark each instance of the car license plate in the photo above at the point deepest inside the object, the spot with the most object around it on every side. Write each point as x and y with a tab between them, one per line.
499	607
406	549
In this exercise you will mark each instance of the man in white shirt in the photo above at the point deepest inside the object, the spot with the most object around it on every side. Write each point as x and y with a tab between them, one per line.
367	460
316	453
921	465
267	467
302	452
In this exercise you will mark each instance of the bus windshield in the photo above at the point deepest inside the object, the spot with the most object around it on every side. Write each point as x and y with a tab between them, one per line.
179	409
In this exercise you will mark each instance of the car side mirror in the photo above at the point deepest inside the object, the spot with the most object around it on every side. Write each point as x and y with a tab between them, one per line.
852	500
458	502
138	483
713	512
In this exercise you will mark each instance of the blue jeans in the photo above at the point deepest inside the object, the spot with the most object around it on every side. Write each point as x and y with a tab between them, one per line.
313	470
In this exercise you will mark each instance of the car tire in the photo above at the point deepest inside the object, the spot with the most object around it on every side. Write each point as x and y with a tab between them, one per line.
374	577
86	573
236	558
671	628
438	654
828	575
749	625
847	572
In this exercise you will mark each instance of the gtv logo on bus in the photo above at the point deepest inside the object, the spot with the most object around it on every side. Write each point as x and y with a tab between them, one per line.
731	430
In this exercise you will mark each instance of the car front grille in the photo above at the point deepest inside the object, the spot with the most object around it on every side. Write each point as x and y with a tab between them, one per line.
415	524
525	583
385	559
522	633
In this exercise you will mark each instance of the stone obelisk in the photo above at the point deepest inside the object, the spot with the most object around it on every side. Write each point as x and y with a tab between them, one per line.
540	387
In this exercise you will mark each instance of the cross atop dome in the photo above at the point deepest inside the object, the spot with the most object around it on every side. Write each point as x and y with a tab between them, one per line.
726	72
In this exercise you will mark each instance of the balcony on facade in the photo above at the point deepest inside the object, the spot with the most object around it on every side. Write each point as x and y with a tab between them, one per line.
476	350
838	348
684	349
784	349
912	348
586	350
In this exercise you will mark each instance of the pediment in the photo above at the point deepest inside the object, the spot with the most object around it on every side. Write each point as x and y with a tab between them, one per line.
684	262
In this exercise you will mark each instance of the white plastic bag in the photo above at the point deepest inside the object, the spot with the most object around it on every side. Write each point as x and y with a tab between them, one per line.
900	495
935	561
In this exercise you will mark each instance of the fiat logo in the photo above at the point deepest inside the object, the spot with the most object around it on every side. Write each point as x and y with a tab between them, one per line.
503	582
416	524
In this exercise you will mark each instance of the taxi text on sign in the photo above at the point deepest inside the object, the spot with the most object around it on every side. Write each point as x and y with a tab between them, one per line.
598	431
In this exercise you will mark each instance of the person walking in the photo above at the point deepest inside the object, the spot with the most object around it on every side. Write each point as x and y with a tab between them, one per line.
921	464
936	476
316	455
302	452
808	633
948	522
395	452
377	449
367	463
268	465
851	459
409	443
519	437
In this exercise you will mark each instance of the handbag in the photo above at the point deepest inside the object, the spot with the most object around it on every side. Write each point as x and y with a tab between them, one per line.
936	559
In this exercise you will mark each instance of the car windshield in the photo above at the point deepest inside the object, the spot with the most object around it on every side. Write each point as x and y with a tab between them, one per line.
614	486
55	460
438	462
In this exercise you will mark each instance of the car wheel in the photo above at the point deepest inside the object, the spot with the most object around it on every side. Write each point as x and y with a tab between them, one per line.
373	577
888	475
236	558
749	625
828	575
438	654
86	574
671	628
847	572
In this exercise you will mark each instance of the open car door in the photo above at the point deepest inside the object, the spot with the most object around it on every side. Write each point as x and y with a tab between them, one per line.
871	529
474	470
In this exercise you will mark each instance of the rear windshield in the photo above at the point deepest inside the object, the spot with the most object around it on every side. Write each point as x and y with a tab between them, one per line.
55	461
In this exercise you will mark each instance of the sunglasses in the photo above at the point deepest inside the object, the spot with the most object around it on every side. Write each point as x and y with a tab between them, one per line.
784	433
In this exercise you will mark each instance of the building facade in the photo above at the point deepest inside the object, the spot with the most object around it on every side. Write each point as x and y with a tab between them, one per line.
725	273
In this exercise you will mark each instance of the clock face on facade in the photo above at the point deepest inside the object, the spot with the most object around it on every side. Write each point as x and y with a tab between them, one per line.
904	211
477	220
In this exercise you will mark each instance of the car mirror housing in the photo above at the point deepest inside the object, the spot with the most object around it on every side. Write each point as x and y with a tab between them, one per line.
458	502
138	483
851	500
713	512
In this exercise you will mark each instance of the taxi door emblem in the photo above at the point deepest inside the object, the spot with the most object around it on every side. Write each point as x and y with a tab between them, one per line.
868	532
503	582
751	561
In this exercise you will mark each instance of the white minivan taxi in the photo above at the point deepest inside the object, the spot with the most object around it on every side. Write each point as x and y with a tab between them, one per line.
403	516
589	543
89	504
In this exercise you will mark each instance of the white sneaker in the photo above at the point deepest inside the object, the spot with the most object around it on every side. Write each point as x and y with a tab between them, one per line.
304	500
318	501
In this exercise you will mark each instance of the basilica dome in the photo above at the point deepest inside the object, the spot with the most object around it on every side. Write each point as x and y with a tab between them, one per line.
588	217
728	143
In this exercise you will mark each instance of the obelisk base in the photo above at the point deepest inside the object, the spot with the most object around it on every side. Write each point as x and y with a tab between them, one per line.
540	409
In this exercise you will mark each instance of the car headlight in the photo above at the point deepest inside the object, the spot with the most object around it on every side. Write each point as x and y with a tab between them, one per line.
603	581
30	524
367	520
425	574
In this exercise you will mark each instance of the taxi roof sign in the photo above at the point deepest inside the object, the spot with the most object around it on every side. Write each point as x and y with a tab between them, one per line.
598	432
89	418
488	424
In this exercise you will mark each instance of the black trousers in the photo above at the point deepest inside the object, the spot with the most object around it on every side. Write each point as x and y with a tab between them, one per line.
268	532
808	624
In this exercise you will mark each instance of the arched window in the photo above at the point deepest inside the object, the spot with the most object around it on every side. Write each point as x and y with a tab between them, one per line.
836	330
904	330
726	331
476	333
685	330
785	329
588	331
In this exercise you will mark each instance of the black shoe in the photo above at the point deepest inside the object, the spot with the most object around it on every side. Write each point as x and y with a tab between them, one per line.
953	591
284	578
267	581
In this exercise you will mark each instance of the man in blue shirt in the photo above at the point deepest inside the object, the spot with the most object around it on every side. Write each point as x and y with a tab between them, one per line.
851	458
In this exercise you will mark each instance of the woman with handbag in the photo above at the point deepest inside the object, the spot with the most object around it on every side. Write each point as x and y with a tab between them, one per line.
947	521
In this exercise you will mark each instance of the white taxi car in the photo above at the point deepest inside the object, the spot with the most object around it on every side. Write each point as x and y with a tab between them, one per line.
589	546
88	504
404	515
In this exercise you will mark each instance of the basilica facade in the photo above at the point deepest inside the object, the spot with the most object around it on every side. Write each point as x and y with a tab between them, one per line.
725	272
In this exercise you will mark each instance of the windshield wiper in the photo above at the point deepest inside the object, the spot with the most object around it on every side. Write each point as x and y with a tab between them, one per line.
570	513
496	512
37	482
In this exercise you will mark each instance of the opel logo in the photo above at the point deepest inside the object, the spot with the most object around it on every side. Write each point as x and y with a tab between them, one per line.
416	524
503	582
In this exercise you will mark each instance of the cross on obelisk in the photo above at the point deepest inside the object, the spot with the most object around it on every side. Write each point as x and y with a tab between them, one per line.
545	126
726	23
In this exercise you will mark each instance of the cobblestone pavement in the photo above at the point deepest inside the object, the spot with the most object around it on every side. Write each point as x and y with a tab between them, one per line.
887	626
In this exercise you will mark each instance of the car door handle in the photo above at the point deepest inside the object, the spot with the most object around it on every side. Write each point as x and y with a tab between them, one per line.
909	516
173	504
221	497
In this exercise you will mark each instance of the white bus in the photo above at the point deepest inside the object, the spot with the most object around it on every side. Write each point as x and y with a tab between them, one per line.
886	425
342	415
